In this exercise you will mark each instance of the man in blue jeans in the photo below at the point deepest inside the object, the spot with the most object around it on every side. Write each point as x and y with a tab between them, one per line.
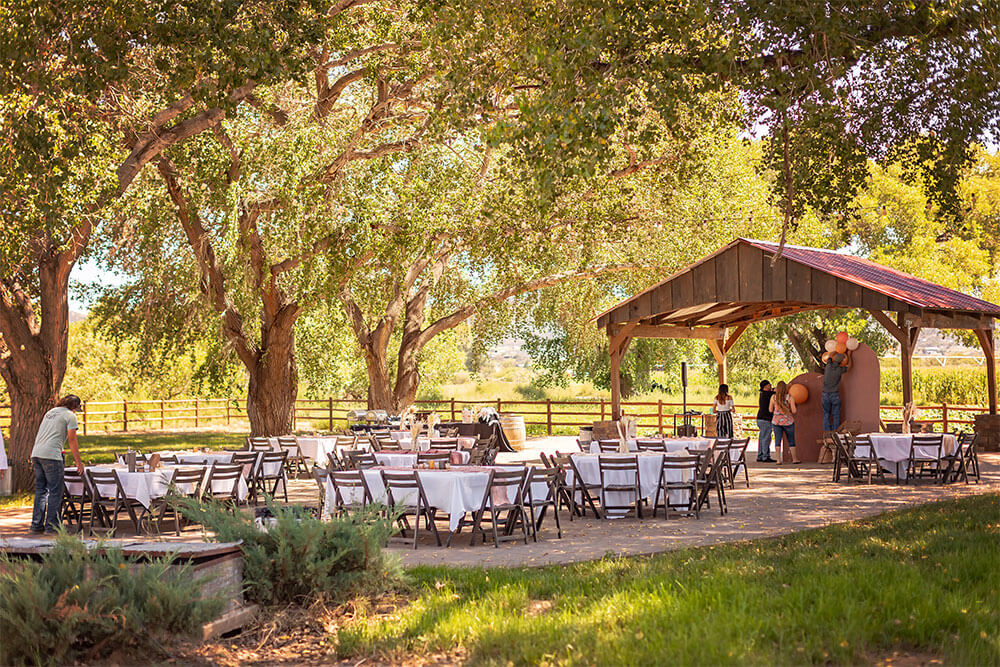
58	426
764	426
832	372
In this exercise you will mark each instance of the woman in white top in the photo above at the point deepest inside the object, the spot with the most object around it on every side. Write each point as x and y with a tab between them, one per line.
723	412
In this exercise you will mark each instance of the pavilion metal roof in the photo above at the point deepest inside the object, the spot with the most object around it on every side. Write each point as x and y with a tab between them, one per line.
738	284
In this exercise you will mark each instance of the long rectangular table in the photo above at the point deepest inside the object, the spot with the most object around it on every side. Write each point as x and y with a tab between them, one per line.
672	444
650	465
455	491
145	487
893	450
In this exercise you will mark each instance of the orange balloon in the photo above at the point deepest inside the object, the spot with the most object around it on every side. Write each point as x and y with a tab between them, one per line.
841	348
799	393
842	336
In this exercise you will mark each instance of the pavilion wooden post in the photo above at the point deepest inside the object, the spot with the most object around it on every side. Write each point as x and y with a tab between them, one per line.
718	351
907	336
618	342
989	350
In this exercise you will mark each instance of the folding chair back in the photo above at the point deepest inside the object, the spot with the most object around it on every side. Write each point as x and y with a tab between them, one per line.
582	447
551	480
585	490
439	458
684	467
444	443
925	456
969	456
258	444
223	483
711	475
609	446
350	490
75	504
360	459
650	445
620	474
333	461
185	483
108	499
272	469
295	461
503	507
320	476
738	461
406	498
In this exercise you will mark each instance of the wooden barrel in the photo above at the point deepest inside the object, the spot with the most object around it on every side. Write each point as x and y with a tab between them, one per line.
513	428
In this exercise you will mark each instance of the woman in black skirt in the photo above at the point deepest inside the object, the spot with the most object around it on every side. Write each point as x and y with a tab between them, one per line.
723	412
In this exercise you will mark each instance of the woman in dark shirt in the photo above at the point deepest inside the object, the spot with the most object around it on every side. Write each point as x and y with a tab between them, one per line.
764	416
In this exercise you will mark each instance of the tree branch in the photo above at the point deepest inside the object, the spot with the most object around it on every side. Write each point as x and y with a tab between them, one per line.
460	315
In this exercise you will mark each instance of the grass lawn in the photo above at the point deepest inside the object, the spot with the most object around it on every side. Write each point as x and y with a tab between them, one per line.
924	580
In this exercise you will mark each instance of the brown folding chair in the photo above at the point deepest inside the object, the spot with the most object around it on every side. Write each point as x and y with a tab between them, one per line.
107	505
185	483
921	464
272	469
406	498
582	488
440	458
651	445
350	490
223	483
686	467
738	461
74	507
444	443
609	446
963	460
508	514
711	475
259	444
358	459
549	477
333	462
295	462
249	462
628	466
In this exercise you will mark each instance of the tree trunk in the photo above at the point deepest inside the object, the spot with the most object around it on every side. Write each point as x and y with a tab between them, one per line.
274	379
36	366
380	395
807	354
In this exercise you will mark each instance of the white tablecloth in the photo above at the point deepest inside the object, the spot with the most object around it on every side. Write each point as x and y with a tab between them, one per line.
145	487
407	460
650	464
406	442
672	444
316	448
893	450
455	491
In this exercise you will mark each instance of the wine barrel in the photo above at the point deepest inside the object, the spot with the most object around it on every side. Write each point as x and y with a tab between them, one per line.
513	428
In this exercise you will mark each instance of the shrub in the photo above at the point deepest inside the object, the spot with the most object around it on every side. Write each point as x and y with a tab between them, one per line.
297	558
80	603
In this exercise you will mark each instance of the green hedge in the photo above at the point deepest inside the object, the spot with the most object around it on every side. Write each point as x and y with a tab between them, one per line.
80	604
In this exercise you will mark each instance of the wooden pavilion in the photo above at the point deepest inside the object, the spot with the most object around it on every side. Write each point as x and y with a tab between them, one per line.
718	297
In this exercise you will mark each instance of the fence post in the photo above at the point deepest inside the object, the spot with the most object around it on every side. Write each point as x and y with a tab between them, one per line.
196	412
227	412
330	412
125	416
453	408
85	417
602	409
498	405
944	417
161	415
548	415
659	416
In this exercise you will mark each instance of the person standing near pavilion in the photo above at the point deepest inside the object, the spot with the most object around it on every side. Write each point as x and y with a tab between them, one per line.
723	412
57	428
764	427
784	409
836	364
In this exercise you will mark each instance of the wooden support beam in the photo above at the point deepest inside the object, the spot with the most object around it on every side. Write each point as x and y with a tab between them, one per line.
618	341
890	326
988	344
906	346
666	331
948	321
733	337
717	346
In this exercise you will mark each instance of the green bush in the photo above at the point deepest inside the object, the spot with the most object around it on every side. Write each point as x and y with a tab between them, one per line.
82	604
297	558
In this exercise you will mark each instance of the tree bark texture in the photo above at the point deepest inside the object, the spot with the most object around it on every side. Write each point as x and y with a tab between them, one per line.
274	381
35	362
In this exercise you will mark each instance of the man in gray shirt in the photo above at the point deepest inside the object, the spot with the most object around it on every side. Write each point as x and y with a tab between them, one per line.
832	373
58	426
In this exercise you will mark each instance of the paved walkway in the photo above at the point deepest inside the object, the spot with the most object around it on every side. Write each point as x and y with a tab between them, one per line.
782	499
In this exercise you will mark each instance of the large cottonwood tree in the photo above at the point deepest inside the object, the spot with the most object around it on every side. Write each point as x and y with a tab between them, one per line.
88	97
